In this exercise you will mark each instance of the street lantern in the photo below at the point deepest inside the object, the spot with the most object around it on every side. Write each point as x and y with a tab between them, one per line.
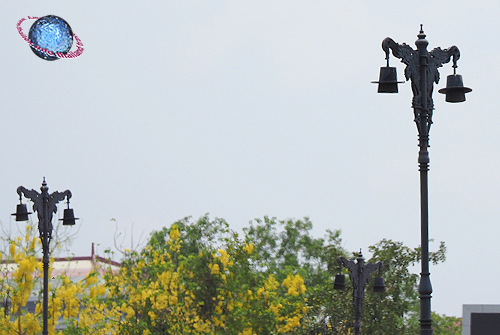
45	205
422	69
359	274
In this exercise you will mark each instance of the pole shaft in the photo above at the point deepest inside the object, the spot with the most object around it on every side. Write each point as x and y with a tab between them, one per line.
45	243
45	291
425	287
357	317
359	294
423	124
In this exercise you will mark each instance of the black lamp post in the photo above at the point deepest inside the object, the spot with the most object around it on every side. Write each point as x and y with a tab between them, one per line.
422	69
359	273
45	205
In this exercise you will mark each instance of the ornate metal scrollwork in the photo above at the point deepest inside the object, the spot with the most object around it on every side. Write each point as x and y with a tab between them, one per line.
413	61
44	212
359	273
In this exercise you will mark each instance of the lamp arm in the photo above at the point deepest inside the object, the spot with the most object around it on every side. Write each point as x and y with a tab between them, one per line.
453	50
30	194
441	57
401	51
350	265
56	197
371	267
59	196
33	195
387	44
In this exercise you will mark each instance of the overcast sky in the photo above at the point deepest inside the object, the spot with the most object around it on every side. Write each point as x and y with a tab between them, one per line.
243	109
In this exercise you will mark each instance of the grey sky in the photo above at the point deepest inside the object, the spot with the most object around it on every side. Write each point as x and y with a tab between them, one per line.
245	109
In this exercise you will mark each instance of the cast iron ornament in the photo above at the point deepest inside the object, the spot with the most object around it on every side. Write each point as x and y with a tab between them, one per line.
44	204
434	60
359	274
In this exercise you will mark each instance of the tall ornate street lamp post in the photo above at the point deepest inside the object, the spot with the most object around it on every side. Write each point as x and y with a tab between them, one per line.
422	69
359	273
45	205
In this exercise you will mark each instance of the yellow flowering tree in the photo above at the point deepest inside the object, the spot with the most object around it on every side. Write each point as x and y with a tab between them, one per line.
20	279
20	271
168	289
201	279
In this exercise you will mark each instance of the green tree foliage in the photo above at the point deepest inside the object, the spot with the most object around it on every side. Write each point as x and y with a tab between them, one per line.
446	325
396	309
288	247
200	277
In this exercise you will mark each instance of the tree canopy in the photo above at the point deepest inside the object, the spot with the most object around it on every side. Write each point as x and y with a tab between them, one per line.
201	277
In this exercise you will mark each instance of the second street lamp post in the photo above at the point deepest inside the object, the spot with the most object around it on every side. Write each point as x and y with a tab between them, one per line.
359	273
421	69
45	205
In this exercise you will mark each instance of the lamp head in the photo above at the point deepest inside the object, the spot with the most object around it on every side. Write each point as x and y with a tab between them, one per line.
378	285
339	283
455	90
69	216
388	81
21	213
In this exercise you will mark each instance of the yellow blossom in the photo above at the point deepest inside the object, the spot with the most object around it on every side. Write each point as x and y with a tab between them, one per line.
248	248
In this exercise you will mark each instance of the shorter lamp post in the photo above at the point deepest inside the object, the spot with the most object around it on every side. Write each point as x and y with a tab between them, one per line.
359	273
45	205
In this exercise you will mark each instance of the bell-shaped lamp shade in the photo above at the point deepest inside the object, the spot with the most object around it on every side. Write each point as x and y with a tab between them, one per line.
68	217
388	81
455	90
21	213
378	285
339	283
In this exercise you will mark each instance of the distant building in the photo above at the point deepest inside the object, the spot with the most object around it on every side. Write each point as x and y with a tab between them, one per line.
481	320
77	268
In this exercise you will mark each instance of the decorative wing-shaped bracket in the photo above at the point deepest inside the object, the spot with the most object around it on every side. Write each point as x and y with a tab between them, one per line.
414	59
45	206
359	273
